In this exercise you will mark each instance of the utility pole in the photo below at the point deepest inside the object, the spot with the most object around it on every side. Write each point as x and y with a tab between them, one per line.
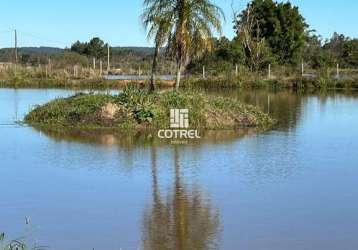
108	66
15	47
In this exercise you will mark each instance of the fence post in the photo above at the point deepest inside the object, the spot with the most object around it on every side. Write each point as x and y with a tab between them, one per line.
75	74
269	71
337	70
49	66
94	63
302	69
100	67
203	72
236	70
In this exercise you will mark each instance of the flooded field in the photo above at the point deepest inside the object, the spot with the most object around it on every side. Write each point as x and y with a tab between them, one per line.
293	187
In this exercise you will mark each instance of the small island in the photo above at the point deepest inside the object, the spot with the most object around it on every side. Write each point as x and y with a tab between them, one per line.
136	108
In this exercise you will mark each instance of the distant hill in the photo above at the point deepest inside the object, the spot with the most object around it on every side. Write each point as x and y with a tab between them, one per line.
41	50
35	50
34	54
142	51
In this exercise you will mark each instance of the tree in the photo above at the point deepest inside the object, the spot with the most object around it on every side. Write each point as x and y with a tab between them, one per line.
350	54
97	48
228	50
79	47
280	24
223	55
342	50
336	45
186	25
335	48
193	24
254	45
94	48
313	53
157	19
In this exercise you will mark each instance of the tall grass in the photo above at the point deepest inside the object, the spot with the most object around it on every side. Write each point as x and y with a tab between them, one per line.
280	77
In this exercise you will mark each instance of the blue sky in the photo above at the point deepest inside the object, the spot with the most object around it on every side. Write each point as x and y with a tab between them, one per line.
58	23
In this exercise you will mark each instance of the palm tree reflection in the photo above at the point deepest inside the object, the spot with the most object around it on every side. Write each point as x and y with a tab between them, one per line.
183	220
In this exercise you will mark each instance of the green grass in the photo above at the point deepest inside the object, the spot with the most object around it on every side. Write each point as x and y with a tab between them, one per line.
20	82
256	82
249	80
136	108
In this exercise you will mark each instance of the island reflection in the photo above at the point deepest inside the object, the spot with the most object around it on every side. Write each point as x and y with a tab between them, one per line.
134	139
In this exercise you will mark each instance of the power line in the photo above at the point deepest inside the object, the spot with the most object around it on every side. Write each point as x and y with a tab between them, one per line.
6	31
42	38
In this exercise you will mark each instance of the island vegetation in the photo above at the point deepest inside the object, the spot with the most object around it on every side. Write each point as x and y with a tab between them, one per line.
136	108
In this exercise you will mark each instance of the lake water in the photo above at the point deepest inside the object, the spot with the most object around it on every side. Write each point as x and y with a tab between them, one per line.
294	187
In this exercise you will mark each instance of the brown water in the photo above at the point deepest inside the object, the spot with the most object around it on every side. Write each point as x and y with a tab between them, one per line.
290	188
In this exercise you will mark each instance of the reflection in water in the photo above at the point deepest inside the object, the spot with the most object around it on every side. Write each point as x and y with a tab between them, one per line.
284	106
131	139
183	220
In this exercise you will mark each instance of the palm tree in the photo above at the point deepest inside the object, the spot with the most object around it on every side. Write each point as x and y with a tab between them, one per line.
157	19
194	22
186	26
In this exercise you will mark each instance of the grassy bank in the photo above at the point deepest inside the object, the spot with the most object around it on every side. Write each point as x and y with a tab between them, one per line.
87	78
191	82
135	108
32	77
90	83
293	82
284	80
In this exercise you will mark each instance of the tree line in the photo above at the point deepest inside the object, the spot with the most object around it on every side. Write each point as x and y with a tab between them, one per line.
267	32
188	34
